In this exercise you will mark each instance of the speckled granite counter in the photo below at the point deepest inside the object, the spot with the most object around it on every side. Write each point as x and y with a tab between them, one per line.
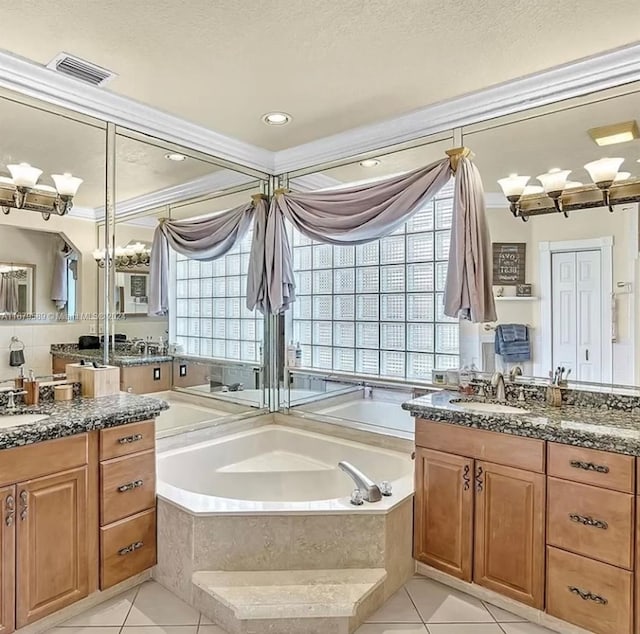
122	359
67	418
602	428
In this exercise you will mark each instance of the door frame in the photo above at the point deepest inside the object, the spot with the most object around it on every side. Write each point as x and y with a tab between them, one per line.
546	251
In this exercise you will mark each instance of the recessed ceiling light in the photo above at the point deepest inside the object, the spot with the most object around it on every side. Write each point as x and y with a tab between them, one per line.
175	156
615	133
370	163
276	118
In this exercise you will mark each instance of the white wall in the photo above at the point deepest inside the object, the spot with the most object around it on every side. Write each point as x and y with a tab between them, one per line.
581	225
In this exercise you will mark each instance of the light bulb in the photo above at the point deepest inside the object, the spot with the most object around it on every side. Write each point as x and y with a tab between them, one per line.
513	186
604	170
66	184
24	175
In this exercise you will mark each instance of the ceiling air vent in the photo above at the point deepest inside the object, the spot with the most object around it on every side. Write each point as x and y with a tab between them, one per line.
80	69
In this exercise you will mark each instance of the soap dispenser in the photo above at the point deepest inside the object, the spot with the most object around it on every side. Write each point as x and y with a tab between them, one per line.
32	389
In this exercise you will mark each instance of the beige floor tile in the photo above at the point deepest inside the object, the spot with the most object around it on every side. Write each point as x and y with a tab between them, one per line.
438	603
465	628
155	605
391	628
160	629
397	609
111	612
525	628
503	616
83	630
211	629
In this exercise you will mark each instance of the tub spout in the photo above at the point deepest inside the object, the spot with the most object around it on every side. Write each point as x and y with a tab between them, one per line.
369	488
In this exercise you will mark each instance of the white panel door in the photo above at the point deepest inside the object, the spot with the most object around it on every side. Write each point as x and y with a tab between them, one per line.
589	297
576	284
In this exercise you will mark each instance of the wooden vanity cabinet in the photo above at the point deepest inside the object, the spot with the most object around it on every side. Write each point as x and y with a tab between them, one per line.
480	508
7	559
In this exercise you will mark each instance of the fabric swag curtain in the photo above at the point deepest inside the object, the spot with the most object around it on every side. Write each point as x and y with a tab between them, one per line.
363	213
206	239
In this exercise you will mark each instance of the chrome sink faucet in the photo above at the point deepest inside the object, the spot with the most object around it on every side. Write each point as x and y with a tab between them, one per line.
497	382
370	490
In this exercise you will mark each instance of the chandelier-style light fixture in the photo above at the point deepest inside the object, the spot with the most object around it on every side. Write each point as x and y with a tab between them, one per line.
558	194
133	255
22	191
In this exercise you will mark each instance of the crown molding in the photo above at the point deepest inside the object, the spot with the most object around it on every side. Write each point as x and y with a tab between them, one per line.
37	81
573	79
84	213
208	184
314	182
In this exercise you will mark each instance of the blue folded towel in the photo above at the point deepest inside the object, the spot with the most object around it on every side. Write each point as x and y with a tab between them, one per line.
512	342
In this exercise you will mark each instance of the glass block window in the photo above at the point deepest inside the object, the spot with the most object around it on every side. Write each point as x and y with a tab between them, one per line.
377	308
211	316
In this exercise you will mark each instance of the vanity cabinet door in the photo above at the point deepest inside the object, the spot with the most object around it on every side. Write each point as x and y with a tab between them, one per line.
444	512
52	557
509	532
7	559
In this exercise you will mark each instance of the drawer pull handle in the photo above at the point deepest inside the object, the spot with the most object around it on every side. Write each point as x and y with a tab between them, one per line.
131	548
588	521
10	507
589	466
123	488
466	478
24	497
588	596
125	440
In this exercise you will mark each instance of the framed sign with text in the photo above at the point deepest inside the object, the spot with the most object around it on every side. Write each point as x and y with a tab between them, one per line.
509	263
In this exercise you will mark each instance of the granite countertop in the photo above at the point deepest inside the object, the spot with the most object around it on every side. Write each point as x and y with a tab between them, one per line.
592	427
67	418
122	359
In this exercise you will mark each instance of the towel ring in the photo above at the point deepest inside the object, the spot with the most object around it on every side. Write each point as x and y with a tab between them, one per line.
14	343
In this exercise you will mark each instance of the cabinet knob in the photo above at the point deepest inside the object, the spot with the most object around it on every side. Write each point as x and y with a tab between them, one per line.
24	507
10	507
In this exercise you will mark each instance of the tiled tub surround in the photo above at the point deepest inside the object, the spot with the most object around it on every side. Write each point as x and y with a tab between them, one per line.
286	509
540	507
66	418
601	425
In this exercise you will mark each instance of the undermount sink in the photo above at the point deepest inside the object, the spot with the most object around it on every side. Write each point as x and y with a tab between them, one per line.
11	420
492	408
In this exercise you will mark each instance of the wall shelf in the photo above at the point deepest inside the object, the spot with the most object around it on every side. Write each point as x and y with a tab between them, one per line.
516	299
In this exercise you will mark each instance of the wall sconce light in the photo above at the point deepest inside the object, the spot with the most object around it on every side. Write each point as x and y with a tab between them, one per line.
131	256
513	188
22	191
603	172
553	183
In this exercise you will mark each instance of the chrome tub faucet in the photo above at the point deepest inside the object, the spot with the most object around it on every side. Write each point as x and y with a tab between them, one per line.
370	490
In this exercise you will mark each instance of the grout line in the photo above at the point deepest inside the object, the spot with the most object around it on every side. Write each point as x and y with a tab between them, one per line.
135	596
484	605
414	605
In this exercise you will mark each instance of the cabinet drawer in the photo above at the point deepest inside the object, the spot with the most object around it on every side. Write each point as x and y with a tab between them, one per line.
600	468
591	521
588	593
495	447
43	458
127	548
128	485
131	438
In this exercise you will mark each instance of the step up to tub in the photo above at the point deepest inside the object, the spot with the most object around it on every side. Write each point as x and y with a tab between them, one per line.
289	601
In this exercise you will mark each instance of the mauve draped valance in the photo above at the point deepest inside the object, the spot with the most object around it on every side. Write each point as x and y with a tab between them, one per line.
206	239
363	213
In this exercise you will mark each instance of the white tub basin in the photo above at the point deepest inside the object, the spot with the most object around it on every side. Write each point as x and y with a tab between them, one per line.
491	408
21	419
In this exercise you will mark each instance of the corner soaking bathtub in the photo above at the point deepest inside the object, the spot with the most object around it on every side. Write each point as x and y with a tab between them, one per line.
277	469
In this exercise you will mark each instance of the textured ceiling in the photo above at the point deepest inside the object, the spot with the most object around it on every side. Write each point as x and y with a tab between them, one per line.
333	65
530	146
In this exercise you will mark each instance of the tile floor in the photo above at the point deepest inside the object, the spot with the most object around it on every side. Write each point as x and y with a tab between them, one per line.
421	607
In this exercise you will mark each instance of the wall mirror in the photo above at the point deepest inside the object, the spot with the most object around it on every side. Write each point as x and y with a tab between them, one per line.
209	343
47	217
574	283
